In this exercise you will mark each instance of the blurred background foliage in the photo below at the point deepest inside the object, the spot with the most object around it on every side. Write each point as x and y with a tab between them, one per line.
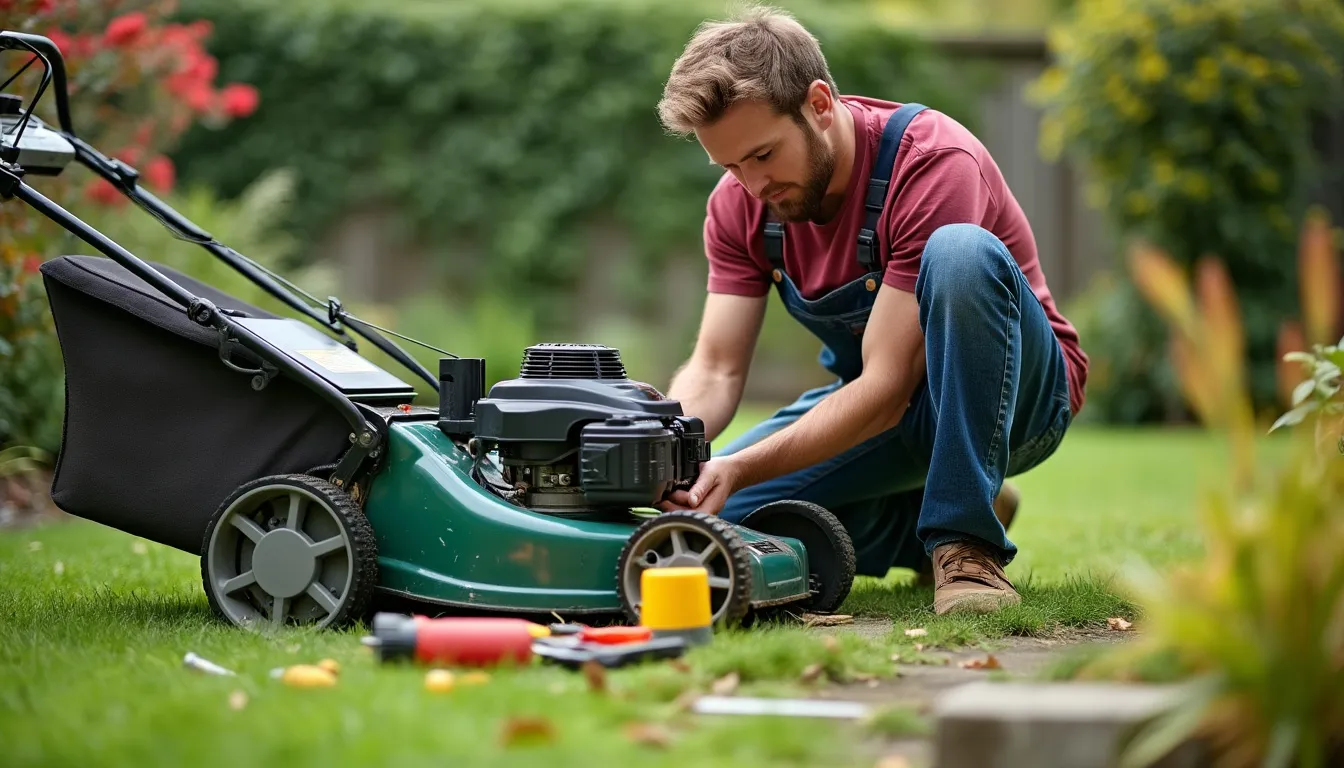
1196	122
486	175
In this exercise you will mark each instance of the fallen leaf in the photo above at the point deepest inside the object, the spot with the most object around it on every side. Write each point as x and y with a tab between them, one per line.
864	677
920	632
919	646
830	643
1119	624
893	761
237	700
811	673
596	675
475	678
307	676
685	701
518	730
680	665
725	685
989	662
439	681
648	734
826	620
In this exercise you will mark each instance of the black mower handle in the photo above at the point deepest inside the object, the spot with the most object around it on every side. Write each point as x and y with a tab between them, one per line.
52	55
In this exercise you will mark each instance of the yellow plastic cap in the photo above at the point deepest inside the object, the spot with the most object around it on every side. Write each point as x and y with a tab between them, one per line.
674	598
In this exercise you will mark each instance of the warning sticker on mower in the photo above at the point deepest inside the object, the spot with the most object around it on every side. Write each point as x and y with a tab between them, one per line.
339	360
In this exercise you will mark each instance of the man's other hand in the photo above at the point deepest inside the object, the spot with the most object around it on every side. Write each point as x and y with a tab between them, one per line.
719	478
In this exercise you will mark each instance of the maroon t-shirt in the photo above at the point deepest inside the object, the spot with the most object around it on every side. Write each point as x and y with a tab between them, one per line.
942	175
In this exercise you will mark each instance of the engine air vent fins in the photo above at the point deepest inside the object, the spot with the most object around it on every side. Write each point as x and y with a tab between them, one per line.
571	361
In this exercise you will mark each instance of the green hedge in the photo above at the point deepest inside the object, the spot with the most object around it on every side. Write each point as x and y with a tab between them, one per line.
502	129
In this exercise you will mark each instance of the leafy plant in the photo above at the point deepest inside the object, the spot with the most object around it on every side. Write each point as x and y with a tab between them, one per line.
1194	120
137	83
1319	392
1256	628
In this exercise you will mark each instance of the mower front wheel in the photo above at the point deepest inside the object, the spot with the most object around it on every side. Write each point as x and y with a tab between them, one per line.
289	550
688	539
830	551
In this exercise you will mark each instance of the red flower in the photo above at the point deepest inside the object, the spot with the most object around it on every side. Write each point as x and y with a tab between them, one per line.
239	99
129	155
61	40
199	98
125	29
101	191
160	174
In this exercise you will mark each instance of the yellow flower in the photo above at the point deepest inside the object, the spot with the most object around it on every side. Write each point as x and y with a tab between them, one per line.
1152	66
1198	90
1164	172
1048	85
1257	66
1196	185
1138	203
1051	140
1206	69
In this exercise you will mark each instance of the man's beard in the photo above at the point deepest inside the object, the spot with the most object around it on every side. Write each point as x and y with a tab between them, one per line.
820	168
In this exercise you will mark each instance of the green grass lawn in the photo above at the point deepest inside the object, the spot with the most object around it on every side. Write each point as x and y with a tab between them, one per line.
94	624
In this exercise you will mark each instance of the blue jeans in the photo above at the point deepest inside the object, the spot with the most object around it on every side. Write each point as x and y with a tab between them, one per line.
994	403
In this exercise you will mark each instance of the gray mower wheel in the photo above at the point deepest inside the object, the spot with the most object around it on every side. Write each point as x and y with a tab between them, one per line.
289	550
686	538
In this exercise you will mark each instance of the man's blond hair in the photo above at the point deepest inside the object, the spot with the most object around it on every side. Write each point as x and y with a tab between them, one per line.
761	54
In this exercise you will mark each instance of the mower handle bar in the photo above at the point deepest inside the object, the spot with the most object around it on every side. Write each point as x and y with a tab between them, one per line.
51	55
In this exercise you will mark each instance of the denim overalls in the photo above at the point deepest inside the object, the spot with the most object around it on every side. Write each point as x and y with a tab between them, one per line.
996	391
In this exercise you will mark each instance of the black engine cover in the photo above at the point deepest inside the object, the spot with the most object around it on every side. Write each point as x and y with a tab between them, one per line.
633	444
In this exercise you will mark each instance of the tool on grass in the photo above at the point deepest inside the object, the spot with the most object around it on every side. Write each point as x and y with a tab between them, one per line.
193	661
487	641
676	604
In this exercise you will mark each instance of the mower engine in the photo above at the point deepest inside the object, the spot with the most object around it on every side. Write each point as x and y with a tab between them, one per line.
574	434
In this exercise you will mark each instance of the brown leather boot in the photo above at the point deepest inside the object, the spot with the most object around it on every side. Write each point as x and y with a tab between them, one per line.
1005	508
967	577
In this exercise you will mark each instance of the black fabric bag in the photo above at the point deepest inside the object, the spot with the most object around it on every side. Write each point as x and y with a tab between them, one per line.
158	431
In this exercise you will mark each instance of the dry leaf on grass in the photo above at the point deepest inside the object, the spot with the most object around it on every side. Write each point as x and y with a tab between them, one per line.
685	701
725	685
811	672
596	675
648	734
989	662
826	620
830	643
680	665
919	632
1119	625
237	700
519	730
893	761
863	677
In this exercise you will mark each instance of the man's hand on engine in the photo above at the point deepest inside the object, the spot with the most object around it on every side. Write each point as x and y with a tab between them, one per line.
719	478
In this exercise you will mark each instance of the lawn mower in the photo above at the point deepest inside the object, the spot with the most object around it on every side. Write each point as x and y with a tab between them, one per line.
309	481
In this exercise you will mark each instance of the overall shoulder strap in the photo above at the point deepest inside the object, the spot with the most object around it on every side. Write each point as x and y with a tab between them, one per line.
774	243
879	181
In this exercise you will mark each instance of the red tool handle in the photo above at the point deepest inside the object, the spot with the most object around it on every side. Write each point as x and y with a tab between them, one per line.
615	635
473	641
